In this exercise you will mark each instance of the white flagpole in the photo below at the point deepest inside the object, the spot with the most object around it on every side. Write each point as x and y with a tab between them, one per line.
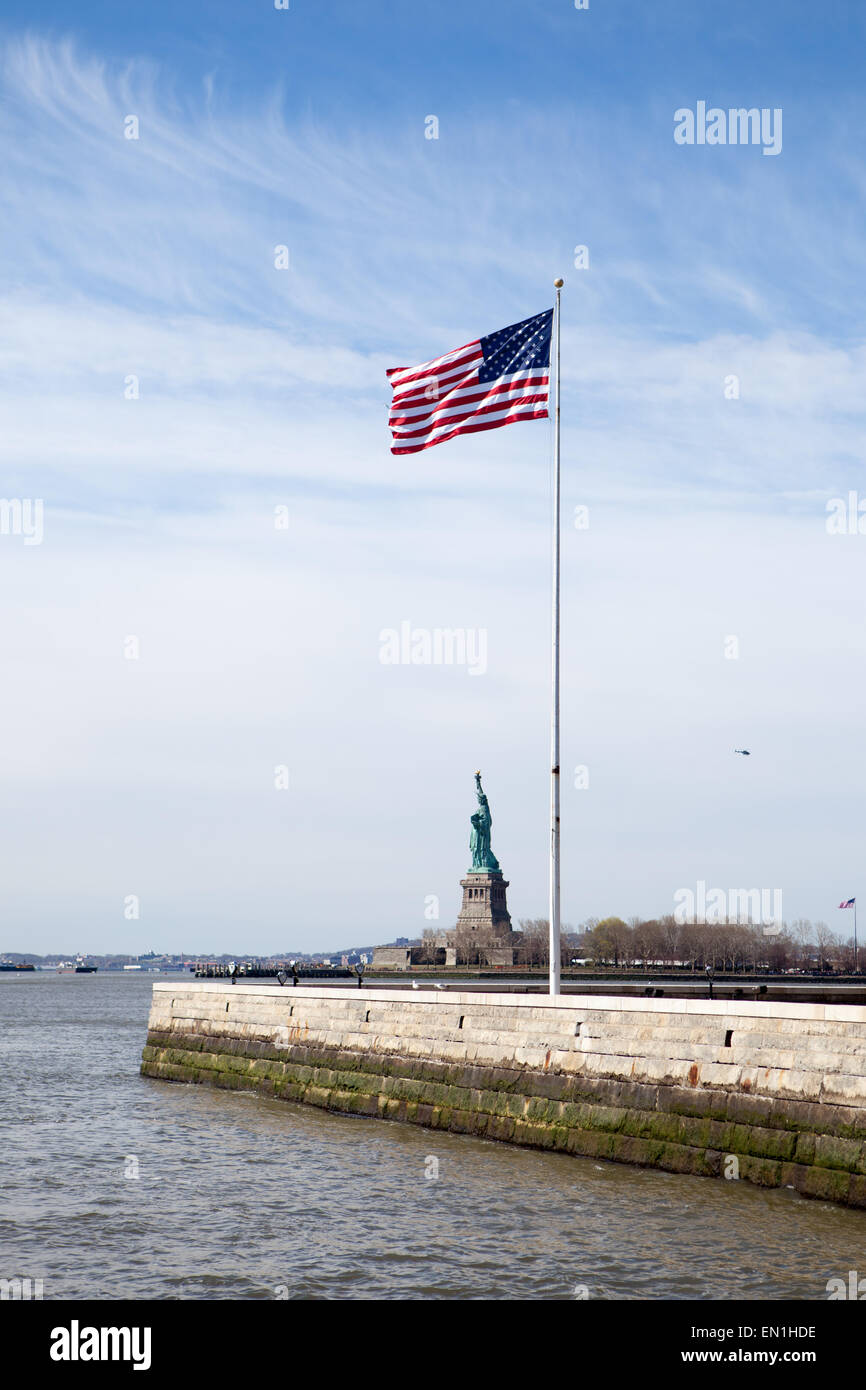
555	950
855	938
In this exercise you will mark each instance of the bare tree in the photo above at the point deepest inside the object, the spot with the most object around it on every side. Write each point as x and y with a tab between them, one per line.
670	938
534	948
803	933
644	937
826	941
612	941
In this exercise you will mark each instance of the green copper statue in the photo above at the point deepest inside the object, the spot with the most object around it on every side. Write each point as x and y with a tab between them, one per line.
483	859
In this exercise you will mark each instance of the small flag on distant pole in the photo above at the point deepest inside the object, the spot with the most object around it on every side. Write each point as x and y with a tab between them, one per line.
497	380
852	902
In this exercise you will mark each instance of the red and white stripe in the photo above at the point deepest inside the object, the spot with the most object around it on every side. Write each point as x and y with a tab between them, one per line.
443	398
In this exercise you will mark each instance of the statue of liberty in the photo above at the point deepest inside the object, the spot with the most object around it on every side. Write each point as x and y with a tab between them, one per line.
483	859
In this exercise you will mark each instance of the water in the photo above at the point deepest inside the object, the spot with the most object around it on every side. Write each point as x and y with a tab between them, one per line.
239	1196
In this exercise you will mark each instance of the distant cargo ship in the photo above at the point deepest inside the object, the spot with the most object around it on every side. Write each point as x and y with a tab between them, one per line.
86	969
4	966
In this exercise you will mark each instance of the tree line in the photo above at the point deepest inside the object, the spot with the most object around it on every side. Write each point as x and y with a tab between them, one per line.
664	942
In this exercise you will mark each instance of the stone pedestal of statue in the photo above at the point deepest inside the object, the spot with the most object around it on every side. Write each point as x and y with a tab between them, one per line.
483	933
485	910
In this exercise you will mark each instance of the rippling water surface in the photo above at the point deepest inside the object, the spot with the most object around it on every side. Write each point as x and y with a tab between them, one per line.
238	1196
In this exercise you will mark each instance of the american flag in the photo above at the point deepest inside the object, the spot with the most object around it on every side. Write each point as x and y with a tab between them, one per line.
849	903
494	381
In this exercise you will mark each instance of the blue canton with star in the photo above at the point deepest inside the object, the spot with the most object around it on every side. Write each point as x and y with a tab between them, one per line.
517	348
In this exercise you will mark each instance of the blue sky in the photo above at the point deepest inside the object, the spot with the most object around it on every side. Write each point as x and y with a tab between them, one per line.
261	388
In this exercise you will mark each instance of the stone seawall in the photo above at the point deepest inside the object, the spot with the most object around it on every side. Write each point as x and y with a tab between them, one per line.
774	1093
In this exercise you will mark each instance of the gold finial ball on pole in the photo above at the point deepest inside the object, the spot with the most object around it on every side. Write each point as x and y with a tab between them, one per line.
559	284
